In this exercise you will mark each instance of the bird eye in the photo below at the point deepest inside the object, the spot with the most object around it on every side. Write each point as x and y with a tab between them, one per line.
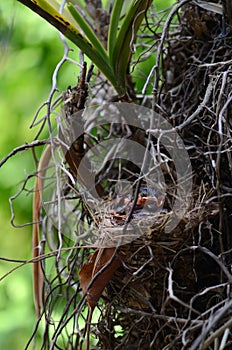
144	191
147	192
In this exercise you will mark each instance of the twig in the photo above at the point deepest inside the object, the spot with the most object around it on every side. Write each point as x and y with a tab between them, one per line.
23	148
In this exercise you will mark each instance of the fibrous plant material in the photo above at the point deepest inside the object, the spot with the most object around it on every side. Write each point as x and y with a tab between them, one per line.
163	289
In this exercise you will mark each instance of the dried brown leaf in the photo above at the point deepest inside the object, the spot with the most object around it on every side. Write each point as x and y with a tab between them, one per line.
105	260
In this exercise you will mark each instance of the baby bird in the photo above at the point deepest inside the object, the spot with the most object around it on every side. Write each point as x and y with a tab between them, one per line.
148	202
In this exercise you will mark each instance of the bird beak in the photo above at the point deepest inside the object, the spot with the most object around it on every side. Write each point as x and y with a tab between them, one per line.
159	201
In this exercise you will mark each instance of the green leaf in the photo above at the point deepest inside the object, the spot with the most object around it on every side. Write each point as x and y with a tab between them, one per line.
114	24
88	32
50	14
126	36
114	64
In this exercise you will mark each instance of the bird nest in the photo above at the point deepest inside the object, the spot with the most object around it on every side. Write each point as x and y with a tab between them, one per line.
172	287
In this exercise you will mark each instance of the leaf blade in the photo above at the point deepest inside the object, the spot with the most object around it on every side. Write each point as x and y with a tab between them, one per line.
47	12
127	34
97	272
88	32
113	28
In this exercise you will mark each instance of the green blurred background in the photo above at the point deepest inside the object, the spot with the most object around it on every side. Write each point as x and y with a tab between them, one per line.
30	51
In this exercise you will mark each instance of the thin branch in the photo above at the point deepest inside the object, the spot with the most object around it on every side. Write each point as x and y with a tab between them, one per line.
23	148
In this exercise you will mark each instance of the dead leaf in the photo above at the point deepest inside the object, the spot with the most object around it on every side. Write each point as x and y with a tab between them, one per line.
38	277
101	260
